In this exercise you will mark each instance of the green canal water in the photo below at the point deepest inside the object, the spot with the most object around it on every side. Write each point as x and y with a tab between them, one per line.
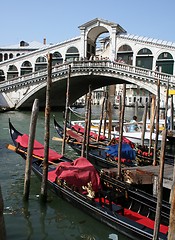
34	221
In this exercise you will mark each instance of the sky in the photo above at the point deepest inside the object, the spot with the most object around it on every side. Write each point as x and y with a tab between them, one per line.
58	20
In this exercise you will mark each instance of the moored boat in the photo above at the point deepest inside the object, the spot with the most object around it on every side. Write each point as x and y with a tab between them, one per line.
108	204
98	152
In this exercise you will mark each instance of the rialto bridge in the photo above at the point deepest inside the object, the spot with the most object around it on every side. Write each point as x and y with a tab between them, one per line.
120	58
21	92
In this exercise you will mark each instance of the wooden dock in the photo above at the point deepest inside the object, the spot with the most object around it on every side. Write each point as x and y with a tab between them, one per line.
154	172
145	175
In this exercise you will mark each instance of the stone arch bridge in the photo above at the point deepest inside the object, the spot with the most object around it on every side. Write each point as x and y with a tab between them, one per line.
20	93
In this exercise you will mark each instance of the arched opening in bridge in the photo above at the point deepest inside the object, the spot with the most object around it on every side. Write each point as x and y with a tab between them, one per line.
72	54
11	55
2	76
41	63
12	72
165	63
26	68
144	58
57	58
97	42
125	54
1	57
5	56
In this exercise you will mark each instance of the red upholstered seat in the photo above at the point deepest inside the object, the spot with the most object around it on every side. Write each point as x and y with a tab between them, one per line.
143	220
38	148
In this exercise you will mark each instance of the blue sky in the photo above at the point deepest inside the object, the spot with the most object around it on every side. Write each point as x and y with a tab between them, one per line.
58	20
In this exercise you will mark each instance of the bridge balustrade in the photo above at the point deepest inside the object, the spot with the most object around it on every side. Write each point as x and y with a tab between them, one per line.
106	65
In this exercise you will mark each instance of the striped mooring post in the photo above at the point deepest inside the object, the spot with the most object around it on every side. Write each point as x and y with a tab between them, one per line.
2	222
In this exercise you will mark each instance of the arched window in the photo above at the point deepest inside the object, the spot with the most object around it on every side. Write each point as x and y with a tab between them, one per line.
41	59
5	56
23	44
144	58
145	51
125	54
125	48
12	72
72	50
165	63
41	63
26	64
1	57
165	55
2	76
72	54
26	68
12	68
57	58
11	55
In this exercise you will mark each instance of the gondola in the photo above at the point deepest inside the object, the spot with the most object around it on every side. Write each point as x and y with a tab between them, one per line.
98	155
112	207
98	152
108	172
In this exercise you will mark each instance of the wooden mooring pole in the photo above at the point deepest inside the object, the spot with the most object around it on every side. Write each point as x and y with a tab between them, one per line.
152	117
161	173
88	121
110	120
32	129
122	113
66	111
47	131
144	124
101	119
157	123
2	222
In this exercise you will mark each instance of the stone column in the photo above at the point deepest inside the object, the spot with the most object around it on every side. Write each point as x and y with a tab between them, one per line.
83	47
112	53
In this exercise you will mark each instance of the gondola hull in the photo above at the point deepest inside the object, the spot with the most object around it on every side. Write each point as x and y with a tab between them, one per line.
102	207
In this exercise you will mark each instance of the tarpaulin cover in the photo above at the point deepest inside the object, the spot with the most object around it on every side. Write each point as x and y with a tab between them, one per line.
77	173
126	152
124	140
38	148
74	135
80	129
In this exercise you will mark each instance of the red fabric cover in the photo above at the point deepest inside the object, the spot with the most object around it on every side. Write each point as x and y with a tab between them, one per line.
125	140
144	220
95	136
38	148
78	173
78	128
74	135
92	134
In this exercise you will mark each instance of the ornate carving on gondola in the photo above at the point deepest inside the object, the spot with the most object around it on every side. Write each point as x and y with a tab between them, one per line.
89	189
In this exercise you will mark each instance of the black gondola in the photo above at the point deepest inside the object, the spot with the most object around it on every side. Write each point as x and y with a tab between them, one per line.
108	205
97	153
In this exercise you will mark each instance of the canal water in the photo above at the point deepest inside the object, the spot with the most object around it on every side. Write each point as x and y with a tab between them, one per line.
34	221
